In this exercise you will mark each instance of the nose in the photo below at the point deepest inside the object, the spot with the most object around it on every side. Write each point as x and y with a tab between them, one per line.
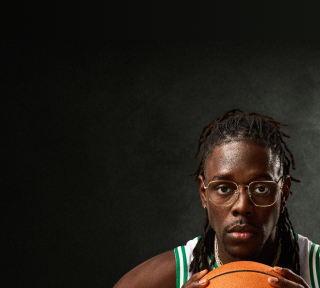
243	205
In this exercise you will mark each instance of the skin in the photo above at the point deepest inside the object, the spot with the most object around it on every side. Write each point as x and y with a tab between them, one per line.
241	162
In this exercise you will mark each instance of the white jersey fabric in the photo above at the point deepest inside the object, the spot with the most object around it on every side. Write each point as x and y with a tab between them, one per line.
309	261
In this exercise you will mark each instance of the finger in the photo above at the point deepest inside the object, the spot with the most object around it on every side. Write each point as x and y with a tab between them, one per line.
200	274
290	275
284	283
195	281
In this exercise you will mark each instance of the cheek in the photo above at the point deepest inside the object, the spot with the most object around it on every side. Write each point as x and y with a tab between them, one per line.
269	219
217	218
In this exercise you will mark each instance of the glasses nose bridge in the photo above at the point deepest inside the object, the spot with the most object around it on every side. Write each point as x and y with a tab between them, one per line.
246	188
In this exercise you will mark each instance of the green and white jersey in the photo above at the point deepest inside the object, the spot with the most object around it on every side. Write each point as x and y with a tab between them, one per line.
309	261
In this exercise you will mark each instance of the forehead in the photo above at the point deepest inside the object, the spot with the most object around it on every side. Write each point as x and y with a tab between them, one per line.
242	160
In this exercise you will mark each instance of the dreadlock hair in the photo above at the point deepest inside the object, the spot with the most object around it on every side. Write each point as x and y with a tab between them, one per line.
235	125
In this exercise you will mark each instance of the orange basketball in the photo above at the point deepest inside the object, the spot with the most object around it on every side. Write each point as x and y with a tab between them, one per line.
241	274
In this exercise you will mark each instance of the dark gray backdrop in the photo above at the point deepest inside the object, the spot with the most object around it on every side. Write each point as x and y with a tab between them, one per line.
99	140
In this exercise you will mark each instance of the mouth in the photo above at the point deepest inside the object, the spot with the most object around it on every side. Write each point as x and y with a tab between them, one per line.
242	232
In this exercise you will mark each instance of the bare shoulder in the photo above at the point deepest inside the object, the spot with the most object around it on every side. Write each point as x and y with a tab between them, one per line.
159	271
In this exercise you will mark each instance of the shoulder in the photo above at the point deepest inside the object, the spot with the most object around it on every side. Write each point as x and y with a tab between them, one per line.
159	271
169	269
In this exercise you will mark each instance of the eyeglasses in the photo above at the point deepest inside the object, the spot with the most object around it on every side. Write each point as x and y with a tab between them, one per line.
261	193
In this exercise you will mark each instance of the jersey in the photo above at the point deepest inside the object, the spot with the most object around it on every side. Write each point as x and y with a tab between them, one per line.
309	261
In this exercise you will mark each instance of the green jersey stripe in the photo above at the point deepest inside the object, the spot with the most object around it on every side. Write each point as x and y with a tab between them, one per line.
210	257
176	253
312	266
316	266
185	266
181	266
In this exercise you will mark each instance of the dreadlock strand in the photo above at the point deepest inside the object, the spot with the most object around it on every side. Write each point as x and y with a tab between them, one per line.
290	257
289	151
199	260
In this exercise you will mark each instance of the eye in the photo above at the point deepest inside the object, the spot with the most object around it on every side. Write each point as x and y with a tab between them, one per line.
224	190
261	190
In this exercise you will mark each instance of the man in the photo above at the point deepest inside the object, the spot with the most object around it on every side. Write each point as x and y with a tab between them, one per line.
244	183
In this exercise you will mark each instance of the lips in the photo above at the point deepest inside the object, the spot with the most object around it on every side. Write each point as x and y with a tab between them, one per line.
244	231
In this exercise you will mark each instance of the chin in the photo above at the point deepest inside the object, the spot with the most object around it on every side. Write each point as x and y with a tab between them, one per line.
244	251
244	254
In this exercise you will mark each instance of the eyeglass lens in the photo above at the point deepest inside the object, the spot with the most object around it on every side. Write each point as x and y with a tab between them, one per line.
261	193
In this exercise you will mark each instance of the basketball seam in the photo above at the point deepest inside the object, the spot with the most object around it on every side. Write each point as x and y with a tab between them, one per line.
241	271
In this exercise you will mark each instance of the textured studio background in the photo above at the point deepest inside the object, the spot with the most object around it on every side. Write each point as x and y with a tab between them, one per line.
99	138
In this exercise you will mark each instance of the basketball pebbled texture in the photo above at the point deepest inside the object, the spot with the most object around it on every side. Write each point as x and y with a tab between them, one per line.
241	274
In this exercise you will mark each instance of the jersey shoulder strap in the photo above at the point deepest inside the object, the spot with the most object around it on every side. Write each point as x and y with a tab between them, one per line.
184	258
309	261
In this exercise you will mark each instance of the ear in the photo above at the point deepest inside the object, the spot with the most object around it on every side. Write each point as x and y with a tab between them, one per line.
202	191
285	190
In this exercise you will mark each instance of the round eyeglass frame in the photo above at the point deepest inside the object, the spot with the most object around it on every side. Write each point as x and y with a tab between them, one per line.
237	192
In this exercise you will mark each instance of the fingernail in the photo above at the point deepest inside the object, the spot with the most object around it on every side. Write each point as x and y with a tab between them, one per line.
276	268
202	281
205	270
273	279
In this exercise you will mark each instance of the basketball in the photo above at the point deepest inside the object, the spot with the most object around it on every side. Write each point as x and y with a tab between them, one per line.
246	274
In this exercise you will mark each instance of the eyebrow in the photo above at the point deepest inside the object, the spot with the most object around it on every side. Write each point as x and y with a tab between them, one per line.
264	176
221	177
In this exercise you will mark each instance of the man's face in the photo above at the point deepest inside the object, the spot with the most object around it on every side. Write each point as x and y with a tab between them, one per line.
243	230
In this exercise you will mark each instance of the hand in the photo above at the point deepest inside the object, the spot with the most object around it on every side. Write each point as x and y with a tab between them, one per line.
194	282
290	280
